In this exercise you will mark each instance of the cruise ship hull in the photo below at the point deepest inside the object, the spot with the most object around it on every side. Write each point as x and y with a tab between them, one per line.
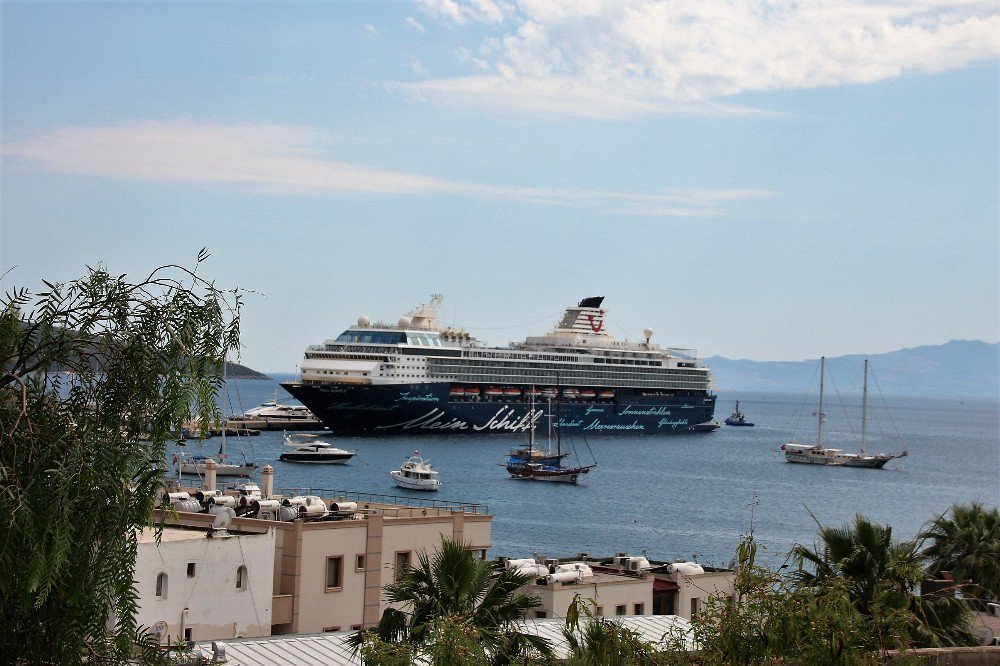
430	408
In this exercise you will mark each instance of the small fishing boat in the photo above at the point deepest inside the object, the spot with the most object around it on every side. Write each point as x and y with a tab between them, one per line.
738	418
416	474
310	449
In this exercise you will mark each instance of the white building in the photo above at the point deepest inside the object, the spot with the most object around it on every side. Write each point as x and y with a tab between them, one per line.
194	587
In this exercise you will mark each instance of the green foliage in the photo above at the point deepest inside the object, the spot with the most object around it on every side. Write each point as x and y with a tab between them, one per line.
455	599
600	641
967	545
94	375
771	620
880	577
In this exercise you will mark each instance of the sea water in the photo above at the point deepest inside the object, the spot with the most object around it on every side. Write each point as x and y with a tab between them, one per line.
687	496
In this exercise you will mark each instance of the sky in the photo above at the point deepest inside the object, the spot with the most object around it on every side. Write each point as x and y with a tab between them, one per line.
763	180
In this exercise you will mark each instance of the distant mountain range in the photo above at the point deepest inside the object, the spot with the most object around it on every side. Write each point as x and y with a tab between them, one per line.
961	368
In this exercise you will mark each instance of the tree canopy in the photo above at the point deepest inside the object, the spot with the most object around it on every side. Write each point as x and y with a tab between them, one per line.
95	376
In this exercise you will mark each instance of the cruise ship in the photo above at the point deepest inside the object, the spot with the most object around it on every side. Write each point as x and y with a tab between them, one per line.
418	377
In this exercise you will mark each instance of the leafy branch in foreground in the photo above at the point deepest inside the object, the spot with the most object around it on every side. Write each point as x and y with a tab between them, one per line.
94	376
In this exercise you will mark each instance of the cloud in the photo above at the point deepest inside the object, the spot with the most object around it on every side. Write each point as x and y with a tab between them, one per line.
372	29
635	58
462	12
415	24
283	160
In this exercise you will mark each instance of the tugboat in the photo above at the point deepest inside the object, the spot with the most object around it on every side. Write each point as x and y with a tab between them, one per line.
416	474
738	418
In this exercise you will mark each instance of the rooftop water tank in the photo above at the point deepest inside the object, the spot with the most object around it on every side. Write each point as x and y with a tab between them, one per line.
687	568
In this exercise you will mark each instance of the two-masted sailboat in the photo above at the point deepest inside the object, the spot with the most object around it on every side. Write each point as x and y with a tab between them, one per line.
817	454
532	463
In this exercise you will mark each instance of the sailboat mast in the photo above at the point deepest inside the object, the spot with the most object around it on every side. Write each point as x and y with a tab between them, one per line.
864	410
819	429
225	401
531	433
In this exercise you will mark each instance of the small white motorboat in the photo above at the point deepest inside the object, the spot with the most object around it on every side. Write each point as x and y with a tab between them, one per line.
416	474
311	449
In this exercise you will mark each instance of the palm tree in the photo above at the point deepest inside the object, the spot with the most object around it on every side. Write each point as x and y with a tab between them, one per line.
880	576
968	546
451	593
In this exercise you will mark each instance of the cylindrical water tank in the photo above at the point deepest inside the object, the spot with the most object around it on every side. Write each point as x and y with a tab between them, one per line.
564	577
533	570
312	511
188	505
169	498
344	508
585	570
687	568
514	564
265	509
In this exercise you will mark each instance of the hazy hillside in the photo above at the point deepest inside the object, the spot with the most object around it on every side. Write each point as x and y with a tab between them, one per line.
237	371
956	368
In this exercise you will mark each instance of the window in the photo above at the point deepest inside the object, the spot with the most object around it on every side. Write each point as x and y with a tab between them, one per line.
620	609
334	573
161	585
695	607
640	609
190	569
541	615
402	563
188	635
600	611
241	578
356	627
359	563
328	629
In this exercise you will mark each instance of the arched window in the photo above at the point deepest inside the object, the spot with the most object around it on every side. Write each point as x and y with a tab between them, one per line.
241	578
161	585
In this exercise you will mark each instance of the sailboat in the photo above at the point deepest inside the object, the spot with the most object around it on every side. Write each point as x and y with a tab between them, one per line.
529	465
817	454
197	464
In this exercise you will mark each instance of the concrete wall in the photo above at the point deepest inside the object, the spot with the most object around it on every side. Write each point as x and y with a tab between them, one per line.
359	600
607	591
700	587
208	603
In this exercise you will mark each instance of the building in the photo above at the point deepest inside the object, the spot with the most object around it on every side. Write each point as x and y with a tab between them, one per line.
609	591
623	585
331	556
683	588
202	584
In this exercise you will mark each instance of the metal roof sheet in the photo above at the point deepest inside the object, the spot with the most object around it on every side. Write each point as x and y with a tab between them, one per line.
331	648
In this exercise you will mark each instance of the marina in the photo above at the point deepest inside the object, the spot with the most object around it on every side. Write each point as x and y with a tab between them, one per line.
687	494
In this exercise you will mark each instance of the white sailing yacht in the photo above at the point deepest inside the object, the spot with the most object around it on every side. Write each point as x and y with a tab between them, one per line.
817	454
195	464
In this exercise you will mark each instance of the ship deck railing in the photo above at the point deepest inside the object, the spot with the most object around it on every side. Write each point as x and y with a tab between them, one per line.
394	506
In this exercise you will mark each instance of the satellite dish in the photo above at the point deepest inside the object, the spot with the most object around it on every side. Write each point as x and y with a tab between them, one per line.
224	518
